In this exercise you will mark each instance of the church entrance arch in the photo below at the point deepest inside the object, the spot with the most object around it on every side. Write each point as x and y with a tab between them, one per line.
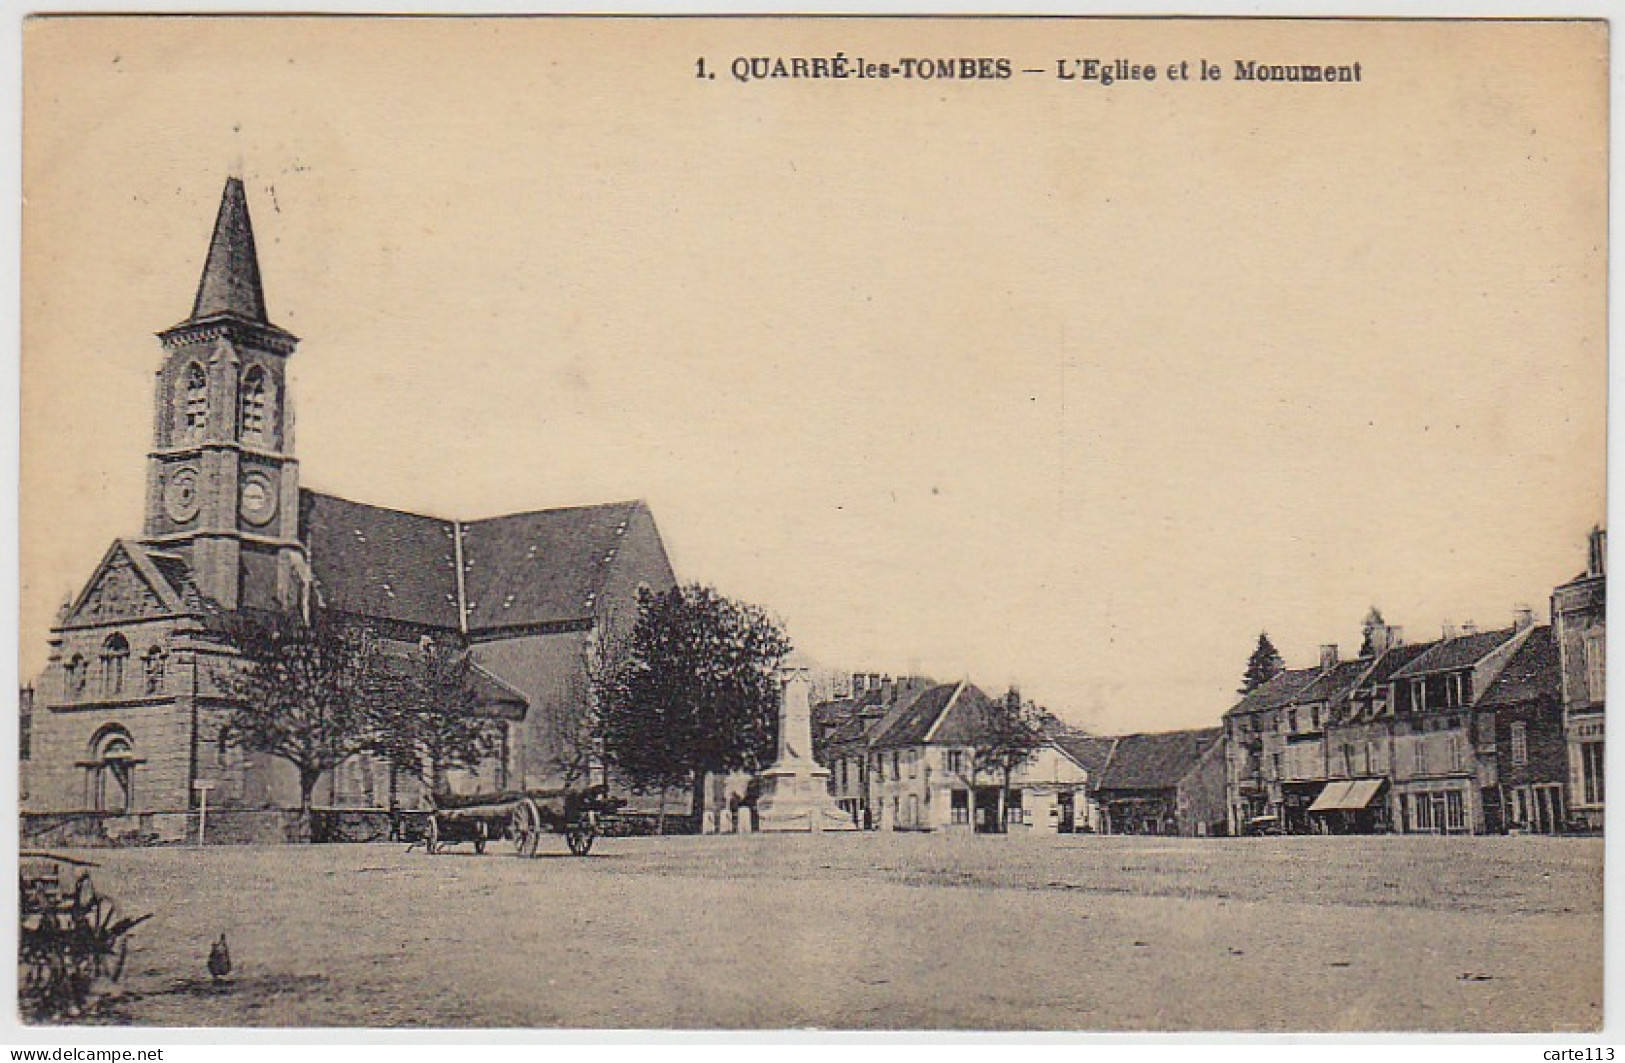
110	771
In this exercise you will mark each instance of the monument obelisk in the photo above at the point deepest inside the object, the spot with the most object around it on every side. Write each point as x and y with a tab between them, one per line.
795	790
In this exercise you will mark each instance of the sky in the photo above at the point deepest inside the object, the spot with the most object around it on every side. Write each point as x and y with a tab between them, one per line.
1027	380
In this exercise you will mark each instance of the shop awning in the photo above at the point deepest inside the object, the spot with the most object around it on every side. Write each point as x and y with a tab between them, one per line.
1362	792
1332	797
1346	796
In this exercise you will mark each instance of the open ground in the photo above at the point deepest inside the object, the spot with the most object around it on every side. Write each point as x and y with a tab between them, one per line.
876	931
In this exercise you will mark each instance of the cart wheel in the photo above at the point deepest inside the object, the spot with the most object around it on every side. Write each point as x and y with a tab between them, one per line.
481	838
431	837
580	838
528	827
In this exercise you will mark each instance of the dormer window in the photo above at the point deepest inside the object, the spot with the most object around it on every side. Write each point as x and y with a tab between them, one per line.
197	401
253	403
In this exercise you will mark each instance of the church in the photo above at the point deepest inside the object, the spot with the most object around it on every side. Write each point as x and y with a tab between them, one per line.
128	716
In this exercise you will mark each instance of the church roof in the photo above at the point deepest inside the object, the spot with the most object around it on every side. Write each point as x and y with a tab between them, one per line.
231	274
524	569
543	567
380	562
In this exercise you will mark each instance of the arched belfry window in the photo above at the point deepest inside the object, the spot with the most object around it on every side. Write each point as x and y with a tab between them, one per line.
111	769
253	417
115	655
197	400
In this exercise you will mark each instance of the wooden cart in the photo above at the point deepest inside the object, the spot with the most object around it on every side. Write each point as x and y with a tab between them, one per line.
579	815
524	817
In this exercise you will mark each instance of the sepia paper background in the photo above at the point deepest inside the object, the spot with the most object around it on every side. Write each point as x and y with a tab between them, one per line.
1028	380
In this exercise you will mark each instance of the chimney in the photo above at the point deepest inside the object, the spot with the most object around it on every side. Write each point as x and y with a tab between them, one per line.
1597	555
888	691
1469	628
1378	638
1396	636
1523	617
1448	631
1328	656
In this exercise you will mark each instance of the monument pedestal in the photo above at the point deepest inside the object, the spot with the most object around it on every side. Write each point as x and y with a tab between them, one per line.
795	797
795	790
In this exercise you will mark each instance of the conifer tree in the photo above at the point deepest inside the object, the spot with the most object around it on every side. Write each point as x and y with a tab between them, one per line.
1265	664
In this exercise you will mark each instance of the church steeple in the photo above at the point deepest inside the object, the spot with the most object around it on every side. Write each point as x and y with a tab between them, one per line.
222	481
231	274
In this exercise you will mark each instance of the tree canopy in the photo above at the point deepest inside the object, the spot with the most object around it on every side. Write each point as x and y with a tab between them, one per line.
306	691
696	690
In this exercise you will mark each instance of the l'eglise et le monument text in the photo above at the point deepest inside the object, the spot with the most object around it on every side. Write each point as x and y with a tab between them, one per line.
128	717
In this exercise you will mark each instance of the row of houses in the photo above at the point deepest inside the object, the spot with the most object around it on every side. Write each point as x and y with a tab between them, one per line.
902	757
1475	732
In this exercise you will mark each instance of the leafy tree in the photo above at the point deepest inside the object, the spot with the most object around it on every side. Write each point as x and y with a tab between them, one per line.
1008	732
697	692
426	718
1265	664
305	691
1372	624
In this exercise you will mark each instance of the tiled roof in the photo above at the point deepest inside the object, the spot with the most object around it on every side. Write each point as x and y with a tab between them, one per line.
1393	661
1090	751
527	568
952	710
380	562
1155	761
1531	674
1464	651
497	697
542	567
1335	683
1276	693
964	722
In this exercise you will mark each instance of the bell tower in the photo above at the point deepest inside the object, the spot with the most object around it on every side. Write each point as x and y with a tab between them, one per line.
222	481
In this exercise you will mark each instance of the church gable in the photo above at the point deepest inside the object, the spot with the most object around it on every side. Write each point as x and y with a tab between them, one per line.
127	585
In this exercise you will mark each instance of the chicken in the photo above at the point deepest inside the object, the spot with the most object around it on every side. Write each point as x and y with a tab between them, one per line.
219	960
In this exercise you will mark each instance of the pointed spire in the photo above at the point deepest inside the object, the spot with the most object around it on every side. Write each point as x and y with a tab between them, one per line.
231	276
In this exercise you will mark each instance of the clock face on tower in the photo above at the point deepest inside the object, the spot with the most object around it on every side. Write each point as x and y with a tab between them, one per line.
258	503
180	495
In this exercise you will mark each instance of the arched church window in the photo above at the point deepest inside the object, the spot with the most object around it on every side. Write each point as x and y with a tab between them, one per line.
197	400
153	666
76	670
253	403
115	653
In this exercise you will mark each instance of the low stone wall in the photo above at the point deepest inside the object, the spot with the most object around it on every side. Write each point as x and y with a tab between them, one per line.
646	824
366	825
93	830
